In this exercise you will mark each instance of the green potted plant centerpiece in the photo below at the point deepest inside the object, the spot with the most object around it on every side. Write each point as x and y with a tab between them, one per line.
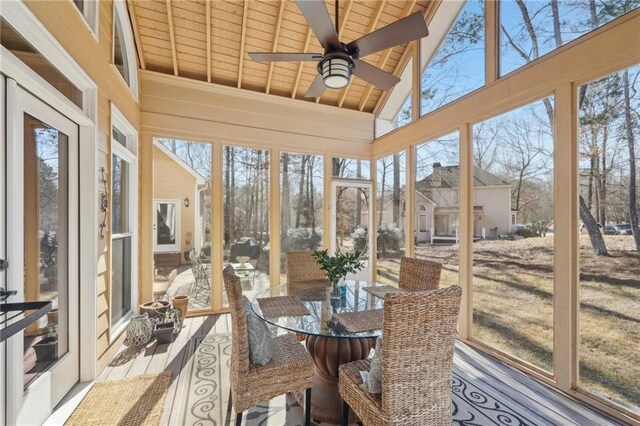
339	265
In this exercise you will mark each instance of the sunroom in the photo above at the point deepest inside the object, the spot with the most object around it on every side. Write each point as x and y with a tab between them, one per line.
384	212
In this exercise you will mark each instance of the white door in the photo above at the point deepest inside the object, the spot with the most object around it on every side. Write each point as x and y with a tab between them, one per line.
166	226
42	362
352	222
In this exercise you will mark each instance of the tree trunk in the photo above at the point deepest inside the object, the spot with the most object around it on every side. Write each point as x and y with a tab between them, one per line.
633	204
285	215
556	23
358	199
396	190
597	242
227	201
602	196
303	163
382	186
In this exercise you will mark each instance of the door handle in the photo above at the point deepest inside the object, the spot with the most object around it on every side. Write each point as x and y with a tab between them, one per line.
4	265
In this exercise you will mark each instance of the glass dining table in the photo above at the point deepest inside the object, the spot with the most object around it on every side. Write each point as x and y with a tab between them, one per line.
328	342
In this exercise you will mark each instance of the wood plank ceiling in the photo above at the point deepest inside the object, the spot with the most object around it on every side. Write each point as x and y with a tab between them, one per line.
209	40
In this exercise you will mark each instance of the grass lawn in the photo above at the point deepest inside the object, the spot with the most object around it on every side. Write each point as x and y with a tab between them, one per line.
513	306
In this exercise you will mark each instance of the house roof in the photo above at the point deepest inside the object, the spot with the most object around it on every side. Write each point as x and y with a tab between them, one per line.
450	178
210	40
199	179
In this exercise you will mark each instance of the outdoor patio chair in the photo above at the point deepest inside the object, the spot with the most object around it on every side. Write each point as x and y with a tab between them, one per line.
419	275
290	368
201	284
303	272
416	365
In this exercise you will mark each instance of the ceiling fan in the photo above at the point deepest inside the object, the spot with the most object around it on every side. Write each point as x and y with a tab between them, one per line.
340	60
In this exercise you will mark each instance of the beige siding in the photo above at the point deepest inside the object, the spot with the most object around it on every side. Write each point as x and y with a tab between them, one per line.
172	182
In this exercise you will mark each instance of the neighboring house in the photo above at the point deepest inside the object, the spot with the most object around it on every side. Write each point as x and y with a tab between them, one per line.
177	225
437	205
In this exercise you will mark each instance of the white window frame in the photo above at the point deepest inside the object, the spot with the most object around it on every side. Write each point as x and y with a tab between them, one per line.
90	15
173	248
121	13
129	155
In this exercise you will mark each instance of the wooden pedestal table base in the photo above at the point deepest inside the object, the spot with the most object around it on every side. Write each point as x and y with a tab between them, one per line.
329	353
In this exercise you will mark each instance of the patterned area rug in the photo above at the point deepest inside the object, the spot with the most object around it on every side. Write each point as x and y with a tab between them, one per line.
207	396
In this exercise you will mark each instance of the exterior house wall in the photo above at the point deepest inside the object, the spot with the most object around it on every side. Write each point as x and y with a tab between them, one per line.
172	182
93	54
496	207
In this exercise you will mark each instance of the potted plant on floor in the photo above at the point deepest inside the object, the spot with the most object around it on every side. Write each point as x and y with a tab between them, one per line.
170	325
339	265
180	303
156	308
47	348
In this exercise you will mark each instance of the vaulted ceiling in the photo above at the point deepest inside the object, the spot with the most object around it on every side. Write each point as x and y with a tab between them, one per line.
209	40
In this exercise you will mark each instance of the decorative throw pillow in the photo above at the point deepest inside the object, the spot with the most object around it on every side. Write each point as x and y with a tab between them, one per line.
260	343
373	384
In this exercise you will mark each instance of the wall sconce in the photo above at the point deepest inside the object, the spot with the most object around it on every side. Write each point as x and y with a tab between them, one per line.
104	201
186	201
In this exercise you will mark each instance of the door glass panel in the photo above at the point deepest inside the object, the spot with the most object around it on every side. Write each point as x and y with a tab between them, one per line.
167	223
45	243
352	220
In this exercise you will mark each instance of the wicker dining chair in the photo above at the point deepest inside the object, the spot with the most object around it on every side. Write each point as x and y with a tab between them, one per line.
419	275
417	360
303	272
290	368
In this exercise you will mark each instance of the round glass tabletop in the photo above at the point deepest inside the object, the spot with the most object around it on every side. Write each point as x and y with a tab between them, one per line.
322	304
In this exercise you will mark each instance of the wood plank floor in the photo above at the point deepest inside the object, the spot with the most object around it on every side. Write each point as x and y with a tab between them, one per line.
533	398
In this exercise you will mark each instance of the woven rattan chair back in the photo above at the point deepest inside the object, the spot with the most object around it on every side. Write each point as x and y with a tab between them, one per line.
417	355
301	267
419	275
239	334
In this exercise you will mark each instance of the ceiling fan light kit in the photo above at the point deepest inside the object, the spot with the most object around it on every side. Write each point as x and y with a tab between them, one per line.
336	70
340	60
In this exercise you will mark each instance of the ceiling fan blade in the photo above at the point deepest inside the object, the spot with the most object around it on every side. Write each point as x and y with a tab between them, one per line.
316	14
403	31
316	89
374	75
284	57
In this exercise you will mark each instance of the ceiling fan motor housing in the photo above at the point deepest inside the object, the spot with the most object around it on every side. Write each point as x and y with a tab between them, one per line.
336	69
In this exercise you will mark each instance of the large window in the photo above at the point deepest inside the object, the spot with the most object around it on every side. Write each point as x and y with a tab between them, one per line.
124	54
609	143
301	195
246	215
437	212
513	264
89	11
124	222
390	216
530	29
182	240
455	64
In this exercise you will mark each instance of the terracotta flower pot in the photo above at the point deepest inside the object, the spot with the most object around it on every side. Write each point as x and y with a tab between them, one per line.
182	303
52	315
